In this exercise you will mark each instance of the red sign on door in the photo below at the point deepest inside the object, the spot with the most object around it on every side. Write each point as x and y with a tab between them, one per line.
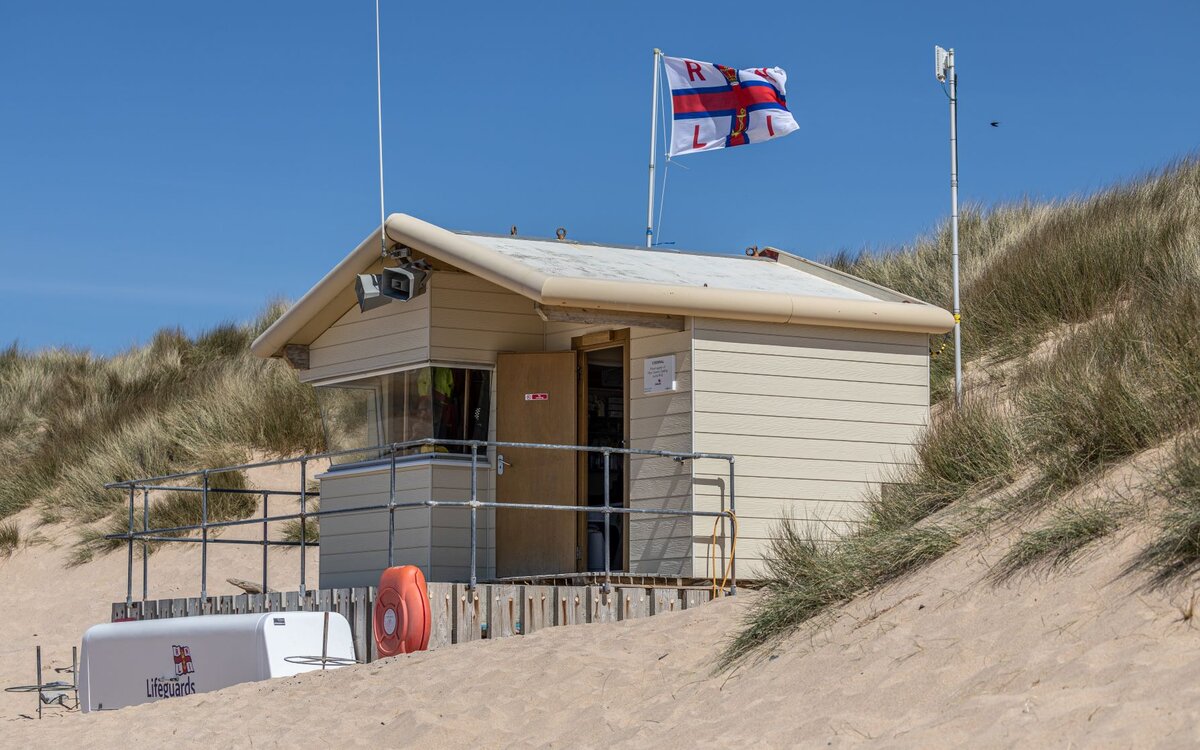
537	396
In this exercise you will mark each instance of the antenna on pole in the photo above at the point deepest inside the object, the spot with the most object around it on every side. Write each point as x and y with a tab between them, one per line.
944	69
379	112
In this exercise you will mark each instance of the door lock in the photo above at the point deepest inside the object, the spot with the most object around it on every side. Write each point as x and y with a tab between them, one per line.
501	464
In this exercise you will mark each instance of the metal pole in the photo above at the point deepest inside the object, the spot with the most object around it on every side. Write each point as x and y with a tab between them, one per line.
607	510
145	546
653	149
303	520
733	510
75	673
953	77
474	511
325	641
204	541
392	513
129	568
265	546
39	670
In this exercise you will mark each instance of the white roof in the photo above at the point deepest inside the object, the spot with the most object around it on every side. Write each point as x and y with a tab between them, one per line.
560	258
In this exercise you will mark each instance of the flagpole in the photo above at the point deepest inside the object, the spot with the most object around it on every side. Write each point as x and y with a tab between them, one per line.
653	150
953	80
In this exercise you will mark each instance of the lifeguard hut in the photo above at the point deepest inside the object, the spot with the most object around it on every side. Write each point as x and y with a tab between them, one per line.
815	382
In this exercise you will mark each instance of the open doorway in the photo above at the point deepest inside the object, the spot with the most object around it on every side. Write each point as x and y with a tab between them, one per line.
603	423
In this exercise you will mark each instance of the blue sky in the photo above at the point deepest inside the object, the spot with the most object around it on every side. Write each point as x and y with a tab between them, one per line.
168	164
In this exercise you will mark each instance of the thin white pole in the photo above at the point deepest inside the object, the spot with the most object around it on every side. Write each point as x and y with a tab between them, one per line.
379	112
954	227
653	150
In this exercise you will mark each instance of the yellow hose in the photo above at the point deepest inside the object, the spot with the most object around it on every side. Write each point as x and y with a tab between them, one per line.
712	553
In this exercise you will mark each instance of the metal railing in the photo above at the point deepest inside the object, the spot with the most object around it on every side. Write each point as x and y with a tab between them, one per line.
148	535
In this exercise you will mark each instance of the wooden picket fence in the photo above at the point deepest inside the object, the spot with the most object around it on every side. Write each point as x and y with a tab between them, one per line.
458	613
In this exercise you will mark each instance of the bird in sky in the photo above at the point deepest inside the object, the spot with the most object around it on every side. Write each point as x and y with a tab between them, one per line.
995	123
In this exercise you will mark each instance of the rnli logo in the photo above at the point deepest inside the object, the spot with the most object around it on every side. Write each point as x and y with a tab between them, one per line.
183	660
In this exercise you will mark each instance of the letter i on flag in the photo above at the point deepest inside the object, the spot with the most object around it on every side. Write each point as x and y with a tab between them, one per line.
715	107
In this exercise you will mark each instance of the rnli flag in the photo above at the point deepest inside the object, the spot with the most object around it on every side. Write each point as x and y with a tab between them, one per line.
715	107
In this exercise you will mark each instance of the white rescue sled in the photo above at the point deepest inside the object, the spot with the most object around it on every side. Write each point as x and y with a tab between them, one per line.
127	663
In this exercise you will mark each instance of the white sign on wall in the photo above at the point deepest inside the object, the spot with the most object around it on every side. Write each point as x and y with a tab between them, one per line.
659	375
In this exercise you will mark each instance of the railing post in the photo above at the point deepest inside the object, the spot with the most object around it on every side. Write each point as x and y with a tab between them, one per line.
145	545
392	513
303	522
733	529
204	540
265	546
129	570
607	511
474	510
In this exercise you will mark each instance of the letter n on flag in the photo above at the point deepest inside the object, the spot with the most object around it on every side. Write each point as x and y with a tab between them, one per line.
715	107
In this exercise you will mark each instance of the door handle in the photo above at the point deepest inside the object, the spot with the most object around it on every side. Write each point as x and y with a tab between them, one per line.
501	464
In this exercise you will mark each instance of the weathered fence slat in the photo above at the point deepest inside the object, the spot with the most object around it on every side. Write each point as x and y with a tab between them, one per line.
504	611
632	603
467	615
537	608
441	614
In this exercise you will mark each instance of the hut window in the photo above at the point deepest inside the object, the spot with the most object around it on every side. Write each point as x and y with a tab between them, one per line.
444	403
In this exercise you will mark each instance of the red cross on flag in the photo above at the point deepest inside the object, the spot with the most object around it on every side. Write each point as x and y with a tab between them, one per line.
714	106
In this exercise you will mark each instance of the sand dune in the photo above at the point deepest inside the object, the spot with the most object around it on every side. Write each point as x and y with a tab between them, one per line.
940	659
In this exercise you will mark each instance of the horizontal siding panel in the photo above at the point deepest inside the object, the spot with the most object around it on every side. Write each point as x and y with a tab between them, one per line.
818	448
678	443
798	427
782	385
916	354
650	427
350	524
800	468
707	326
676	402
796	489
359	366
763	404
485	341
489	320
637	391
372	328
805	367
655	343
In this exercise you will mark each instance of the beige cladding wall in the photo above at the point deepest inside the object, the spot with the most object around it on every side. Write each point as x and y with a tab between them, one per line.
817	417
392	335
354	545
660	545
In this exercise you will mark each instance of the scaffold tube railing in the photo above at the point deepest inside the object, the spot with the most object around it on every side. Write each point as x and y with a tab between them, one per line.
149	535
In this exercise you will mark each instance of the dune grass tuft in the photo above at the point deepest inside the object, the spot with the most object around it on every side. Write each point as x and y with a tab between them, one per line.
10	538
170	510
290	532
968	451
1175	552
1065	535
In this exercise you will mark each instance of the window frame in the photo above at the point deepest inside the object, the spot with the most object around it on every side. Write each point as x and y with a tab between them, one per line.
383	395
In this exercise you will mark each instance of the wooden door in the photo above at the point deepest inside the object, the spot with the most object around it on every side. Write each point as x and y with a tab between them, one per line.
535	403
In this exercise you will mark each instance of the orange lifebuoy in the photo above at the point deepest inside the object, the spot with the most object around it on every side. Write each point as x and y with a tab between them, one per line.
402	618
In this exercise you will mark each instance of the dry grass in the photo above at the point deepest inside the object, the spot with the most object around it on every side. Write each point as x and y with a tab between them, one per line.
1060	540
1126	263
71	421
968	452
290	532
